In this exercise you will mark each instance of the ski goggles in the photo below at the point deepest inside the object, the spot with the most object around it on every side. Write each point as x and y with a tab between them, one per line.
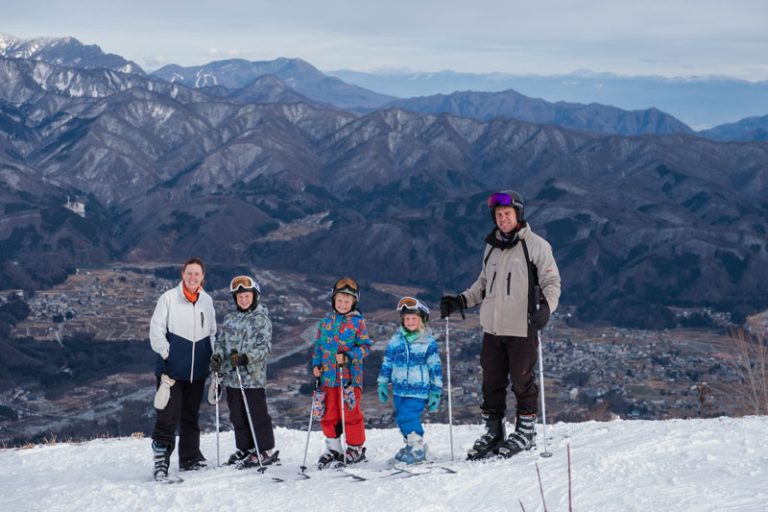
347	285
412	305
503	199
243	284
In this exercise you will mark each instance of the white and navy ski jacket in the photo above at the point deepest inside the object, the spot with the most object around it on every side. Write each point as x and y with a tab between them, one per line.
183	335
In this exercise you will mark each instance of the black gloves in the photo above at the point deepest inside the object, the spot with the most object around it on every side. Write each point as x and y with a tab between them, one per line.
216	362
540	317
238	359
450	304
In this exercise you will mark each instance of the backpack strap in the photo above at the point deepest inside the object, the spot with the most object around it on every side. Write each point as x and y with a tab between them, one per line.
534	290
488	250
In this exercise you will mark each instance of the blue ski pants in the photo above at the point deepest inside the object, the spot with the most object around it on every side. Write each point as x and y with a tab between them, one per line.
408	414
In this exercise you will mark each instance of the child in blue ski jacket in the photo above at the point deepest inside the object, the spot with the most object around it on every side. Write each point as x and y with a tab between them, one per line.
412	365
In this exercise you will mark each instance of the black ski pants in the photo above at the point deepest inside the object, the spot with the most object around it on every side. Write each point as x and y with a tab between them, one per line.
262	421
504	359
182	411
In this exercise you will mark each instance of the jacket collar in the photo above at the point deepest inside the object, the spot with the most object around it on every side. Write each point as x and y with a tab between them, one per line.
497	240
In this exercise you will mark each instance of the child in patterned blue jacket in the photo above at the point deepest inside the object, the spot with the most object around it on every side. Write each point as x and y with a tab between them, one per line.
412	365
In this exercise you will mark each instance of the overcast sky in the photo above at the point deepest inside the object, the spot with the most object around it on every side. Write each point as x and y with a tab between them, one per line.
662	37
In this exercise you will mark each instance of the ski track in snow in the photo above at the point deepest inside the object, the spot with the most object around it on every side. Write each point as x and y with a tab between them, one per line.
676	465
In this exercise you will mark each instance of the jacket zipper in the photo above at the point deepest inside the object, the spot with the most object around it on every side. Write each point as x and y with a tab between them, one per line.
493	280
407	361
509	278
194	337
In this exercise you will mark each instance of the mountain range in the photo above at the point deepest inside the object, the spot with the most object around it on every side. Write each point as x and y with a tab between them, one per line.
300	76
64	51
593	116
268	176
751	128
702	102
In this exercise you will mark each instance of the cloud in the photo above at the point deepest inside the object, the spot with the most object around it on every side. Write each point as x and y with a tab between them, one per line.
669	37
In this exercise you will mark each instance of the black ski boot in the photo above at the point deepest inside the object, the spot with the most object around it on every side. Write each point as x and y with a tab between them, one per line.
355	454
522	439
162	459
252	460
195	464
331	454
236	457
488	443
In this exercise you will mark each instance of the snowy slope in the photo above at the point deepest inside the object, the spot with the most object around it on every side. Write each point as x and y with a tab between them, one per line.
678	465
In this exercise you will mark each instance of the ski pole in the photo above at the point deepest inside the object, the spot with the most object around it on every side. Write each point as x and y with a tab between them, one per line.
218	396
341	406
448	365
303	467
545	453
250	420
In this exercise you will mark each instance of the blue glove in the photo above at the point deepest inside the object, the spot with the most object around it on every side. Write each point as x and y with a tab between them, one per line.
434	400
383	392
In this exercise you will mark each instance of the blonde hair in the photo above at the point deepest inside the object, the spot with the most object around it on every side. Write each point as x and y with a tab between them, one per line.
422	326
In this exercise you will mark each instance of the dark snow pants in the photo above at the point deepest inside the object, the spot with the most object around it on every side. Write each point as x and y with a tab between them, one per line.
505	358
262	421
183	410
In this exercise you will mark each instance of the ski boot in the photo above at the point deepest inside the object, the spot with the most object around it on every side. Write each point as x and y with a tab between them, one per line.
252	460
236	457
522	438
401	455
415	450
193	464
162	458
355	454
488	443
332	453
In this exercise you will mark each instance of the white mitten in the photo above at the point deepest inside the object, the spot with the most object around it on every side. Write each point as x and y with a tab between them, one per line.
214	390
163	393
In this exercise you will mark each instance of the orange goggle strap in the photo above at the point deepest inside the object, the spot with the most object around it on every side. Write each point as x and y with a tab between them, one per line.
412	305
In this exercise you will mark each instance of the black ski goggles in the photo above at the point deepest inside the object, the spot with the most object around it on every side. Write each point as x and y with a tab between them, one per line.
243	284
503	199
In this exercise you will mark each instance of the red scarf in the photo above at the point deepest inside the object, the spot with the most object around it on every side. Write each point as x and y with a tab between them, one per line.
191	296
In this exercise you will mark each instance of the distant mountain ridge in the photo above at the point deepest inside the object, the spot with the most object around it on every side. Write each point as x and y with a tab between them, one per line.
700	102
751	128
592	118
64	51
295	73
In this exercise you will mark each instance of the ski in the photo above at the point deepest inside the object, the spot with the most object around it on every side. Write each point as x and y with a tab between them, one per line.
168	480
361	475
423	468
351	473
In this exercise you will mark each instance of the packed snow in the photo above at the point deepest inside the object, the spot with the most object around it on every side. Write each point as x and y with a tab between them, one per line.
716	464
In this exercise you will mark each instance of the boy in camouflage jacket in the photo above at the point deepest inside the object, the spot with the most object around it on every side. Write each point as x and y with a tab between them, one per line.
245	341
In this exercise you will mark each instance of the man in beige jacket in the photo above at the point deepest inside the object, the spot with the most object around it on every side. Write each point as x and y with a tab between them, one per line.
518	288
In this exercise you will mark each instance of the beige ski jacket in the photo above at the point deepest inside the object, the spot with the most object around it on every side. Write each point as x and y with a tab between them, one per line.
502	289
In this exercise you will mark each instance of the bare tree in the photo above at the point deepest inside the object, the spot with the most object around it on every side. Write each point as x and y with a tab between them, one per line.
751	363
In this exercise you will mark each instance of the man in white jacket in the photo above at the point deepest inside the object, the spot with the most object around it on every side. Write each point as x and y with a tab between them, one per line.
182	332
